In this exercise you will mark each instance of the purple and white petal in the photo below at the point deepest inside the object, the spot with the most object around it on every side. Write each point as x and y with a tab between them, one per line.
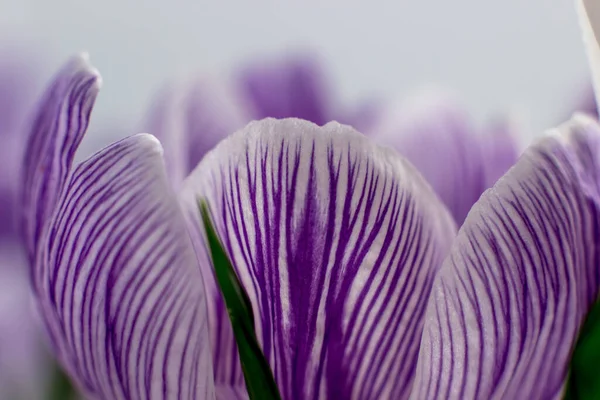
120	290
438	138
508	303
62	119
226	392
337	242
292	87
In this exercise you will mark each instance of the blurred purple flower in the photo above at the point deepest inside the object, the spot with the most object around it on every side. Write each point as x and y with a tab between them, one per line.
190	118
338	243
22	357
457	159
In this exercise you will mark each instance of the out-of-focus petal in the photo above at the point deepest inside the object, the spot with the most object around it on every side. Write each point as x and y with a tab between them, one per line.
293	87
587	102
524	270
498	149
438	138
166	120
190	118
62	119
17	84
120	289
23	359
337	242
214	111
363	117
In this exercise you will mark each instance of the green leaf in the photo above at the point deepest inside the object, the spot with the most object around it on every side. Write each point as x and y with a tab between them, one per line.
584	378
60	385
257	373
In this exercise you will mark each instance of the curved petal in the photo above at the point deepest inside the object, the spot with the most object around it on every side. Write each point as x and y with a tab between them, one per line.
507	304
166	120
337	242
293	87
214	111
437	137
62	119
120	290
190	118
498	149
17	86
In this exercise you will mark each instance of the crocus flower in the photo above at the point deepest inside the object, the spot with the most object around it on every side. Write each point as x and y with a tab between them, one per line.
22	357
336	241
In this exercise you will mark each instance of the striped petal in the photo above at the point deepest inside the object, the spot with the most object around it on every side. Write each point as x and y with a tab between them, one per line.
62	119
120	289
293	87
337	242
508	303
437	137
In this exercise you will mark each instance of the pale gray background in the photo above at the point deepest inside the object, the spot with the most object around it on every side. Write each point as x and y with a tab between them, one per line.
498	55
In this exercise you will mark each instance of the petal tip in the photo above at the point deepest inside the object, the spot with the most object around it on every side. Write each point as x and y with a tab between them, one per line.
81	62
150	141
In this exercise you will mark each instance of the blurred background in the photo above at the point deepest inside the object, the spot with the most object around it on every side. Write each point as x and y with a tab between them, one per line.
522	56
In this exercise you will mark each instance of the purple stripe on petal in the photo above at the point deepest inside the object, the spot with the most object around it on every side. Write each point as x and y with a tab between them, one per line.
119	286
337	242
231	393
508	303
293	87
228	374
62	119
